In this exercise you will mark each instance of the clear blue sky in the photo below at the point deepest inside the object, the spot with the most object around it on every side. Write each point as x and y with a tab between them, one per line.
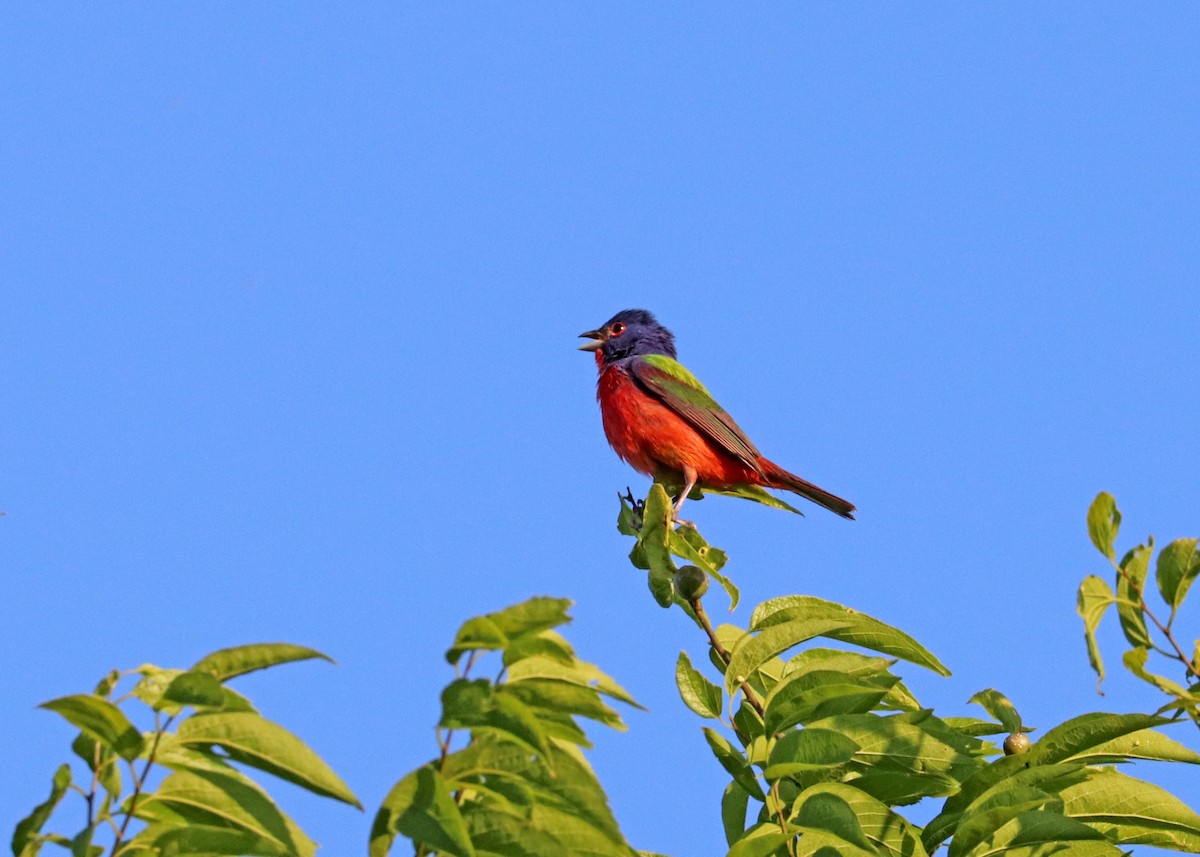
289	305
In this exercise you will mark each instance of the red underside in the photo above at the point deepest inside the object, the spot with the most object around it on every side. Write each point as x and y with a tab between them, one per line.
654	439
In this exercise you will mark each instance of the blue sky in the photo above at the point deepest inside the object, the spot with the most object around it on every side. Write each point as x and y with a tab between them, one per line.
290	298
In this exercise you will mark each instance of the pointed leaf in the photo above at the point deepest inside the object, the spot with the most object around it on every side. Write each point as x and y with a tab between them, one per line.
205	841
1103	522
1178	565
998	705
808	750
684	544
1133	812
699	694
755	494
1094	598
260	743
761	840
1080	734
733	812
829	813
195	687
1143	744
582	673
860	629
888	833
421	807
27	830
805	696
751	652
734	762
239	660
1131	583
224	799
102	720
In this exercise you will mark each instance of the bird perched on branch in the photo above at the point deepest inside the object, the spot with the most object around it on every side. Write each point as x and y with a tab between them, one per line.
662	421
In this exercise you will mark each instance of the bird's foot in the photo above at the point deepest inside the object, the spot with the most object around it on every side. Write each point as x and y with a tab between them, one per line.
639	506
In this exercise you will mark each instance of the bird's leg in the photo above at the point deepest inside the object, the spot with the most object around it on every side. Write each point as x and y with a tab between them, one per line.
689	476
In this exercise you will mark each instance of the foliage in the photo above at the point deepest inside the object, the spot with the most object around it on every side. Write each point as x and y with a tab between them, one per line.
519	784
1175	570
822	741
823	744
204	804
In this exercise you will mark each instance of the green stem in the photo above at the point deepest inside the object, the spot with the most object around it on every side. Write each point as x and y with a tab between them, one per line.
139	782
723	653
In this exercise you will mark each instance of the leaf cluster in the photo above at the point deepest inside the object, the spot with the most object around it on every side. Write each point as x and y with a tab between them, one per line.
204	803
518	784
1146	629
823	742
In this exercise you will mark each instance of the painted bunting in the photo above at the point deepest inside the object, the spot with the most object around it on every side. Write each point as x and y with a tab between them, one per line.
662	421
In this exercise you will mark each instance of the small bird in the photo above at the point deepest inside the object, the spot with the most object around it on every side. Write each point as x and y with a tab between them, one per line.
662	421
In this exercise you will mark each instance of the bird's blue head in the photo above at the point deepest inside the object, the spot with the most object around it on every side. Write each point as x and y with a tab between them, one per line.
629	333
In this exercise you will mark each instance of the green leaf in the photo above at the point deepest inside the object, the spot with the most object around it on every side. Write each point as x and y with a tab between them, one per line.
1103	522
974	726
654	540
755	494
1042	832
1144	744
752	651
1081	734
564	698
761	840
422	808
1133	812
808	750
1007	773
901	760
204	841
859	629
1178	565
478	705
568	804
734	802
805	696
998	705
495	631
1094	598
1131	582
102	720
734	762
239	660
224	798
687	543
1135	662
101	759
195	688
255	741
698	693
981	821
827	812
582	674
888	833
549	644
27	830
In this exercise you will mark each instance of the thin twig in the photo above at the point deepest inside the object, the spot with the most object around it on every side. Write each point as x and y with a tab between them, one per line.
723	653
1193	669
140	782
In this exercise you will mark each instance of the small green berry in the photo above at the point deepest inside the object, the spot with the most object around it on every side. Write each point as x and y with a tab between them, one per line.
1016	744
691	583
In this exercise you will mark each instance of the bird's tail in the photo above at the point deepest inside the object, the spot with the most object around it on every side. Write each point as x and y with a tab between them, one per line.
779	478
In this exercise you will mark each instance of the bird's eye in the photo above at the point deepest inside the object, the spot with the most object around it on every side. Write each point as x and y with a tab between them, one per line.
618	328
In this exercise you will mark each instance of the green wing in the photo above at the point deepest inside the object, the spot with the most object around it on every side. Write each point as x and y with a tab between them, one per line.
668	381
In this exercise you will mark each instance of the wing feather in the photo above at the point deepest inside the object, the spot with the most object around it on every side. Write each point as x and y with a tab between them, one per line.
669	382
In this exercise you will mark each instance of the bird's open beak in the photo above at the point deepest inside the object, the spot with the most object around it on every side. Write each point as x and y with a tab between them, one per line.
597	335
